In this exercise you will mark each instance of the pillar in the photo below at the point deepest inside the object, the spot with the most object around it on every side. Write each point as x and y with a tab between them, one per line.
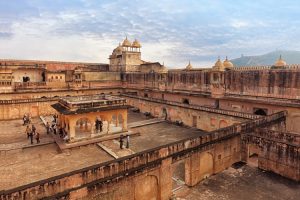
124	125
192	164
165	179
72	125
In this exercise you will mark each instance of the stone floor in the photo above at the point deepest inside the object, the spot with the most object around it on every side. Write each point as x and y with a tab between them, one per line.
25	165
245	183
37	163
13	134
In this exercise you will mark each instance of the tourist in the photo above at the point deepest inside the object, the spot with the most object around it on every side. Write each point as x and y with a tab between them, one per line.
48	127
127	141
54	118
97	124
33	129
31	137
24	120
61	132
121	141
28	131
66	138
37	137
101	125
54	128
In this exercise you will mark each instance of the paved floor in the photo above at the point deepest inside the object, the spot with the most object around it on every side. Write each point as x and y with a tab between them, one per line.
12	134
37	163
25	165
245	183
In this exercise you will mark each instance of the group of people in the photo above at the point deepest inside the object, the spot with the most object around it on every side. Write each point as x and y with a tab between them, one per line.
122	138
31	132
26	119
56	128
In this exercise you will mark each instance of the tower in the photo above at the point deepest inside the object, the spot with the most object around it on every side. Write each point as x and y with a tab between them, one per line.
126	57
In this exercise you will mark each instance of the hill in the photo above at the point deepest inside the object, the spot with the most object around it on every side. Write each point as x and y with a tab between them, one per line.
291	57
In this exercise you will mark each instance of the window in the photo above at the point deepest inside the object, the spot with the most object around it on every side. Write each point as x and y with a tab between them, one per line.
185	101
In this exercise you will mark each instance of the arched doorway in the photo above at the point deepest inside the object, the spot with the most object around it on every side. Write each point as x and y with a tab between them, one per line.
260	111
83	128
206	165
165	113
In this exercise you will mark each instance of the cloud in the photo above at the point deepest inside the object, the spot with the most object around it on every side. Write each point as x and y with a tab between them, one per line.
172	31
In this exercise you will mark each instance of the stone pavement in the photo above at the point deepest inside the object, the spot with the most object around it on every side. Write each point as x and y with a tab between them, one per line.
112	147
13	135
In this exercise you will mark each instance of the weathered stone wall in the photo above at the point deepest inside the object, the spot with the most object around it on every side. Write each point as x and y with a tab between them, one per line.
283	83
205	119
270	107
277	151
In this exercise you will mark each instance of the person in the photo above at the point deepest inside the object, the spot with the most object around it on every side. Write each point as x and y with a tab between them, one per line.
127	141
61	132
97	124
121	141
37	137
31	137
33	129
48	127
101	125
28	131
24	120
54	128
54	118
66	138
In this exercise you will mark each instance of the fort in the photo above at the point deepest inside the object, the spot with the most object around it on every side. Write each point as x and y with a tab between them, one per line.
206	118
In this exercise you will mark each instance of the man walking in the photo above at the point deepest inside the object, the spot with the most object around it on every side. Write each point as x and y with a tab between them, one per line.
121	141
37	137
28	131
127	141
33	129
31	137
101	124
48	127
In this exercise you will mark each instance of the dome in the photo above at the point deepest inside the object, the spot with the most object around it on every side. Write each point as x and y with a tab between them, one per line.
218	66
189	66
227	64
126	43
136	44
119	49
280	62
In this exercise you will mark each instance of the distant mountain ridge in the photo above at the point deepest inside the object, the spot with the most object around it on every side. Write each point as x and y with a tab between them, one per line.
291	57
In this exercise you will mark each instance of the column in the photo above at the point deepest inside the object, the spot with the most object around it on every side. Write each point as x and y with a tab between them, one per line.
72	124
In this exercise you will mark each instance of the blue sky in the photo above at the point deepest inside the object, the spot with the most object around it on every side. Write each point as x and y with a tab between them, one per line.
171	31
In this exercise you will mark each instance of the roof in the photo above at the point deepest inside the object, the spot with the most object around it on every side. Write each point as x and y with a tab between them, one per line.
65	111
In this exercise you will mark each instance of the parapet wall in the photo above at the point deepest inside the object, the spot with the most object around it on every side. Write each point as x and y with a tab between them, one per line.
278	151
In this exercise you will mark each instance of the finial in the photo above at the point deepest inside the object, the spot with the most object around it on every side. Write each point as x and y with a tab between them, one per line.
280	57
226	58
218	57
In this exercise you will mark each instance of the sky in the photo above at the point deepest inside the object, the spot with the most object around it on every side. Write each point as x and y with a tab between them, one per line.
172	32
